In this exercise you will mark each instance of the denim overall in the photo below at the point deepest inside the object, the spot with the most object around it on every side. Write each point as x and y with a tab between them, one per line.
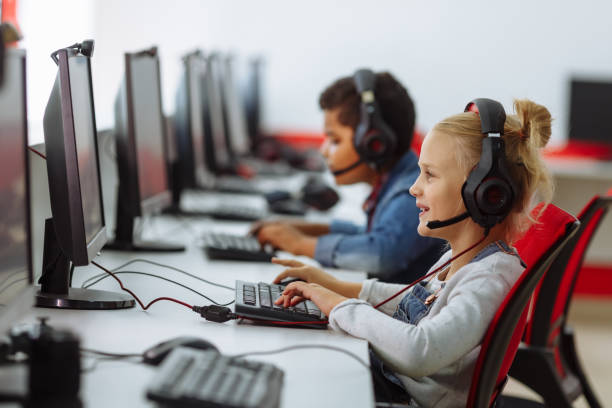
411	310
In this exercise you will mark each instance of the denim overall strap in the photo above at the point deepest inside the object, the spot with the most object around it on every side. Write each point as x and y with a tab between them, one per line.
411	309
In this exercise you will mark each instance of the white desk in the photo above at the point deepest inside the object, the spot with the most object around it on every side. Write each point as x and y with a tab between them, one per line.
313	377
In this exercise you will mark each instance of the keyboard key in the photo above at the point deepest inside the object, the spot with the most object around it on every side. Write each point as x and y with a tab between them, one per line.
301	308
264	298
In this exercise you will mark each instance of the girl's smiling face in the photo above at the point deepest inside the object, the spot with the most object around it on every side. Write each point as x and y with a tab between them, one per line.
438	188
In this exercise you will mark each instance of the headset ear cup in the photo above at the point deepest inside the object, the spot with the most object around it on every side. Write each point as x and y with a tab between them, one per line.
494	197
468	196
376	146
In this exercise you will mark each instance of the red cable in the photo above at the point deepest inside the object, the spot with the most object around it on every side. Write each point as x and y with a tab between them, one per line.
119	280
136	297
37	152
432	272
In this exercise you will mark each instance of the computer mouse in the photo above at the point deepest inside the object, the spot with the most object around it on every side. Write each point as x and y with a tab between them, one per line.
156	354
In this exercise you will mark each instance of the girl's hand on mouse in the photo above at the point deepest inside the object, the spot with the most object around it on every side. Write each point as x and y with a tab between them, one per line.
297	292
304	272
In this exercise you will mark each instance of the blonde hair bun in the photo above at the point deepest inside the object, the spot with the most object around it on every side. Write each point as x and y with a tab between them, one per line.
535	121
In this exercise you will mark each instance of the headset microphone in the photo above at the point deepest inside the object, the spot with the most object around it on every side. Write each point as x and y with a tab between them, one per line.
450	221
347	169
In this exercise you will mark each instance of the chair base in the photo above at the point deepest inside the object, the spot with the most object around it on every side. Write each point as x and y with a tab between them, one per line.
568	348
535	367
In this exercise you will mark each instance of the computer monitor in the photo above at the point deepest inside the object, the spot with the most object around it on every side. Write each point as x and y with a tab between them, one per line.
252	100
234	112
140	138
15	248
189	170
589	112
219	158
76	232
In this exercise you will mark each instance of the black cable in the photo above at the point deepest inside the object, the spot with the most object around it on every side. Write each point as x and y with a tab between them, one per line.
322	346
161	266
10	275
12	283
103	356
162	278
107	354
303	346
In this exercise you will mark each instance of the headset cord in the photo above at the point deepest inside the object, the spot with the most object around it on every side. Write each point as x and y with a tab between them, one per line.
439	268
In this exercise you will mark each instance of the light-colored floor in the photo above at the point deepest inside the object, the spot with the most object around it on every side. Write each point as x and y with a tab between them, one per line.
591	319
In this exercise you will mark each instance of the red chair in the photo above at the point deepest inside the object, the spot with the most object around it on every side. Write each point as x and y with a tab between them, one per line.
547	361
541	245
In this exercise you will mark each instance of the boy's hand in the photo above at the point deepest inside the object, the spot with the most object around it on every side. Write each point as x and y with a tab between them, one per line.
287	238
258	225
296	292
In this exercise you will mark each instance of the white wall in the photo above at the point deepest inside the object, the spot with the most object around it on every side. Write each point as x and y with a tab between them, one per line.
445	52
47	26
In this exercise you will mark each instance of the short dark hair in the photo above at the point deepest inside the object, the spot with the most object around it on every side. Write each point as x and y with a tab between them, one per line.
395	104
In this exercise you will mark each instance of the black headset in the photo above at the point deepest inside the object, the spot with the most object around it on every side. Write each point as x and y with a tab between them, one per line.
489	192
85	48
374	140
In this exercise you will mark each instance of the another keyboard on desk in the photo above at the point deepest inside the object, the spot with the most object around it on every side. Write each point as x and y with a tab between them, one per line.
204	378
235	247
236	213
235	185
256	301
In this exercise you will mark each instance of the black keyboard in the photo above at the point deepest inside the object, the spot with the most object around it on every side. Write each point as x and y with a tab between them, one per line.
235	247
190	377
235	185
256	300
235	213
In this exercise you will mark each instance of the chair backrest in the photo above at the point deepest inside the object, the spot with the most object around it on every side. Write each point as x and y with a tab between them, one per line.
552	297
538	248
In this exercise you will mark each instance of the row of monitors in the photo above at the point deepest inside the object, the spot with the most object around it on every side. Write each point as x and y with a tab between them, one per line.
76	232
206	114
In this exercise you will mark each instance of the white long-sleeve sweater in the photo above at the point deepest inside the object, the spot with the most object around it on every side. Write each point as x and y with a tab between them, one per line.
435	358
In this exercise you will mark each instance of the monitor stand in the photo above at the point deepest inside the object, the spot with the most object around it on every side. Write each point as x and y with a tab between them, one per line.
124	235
55	290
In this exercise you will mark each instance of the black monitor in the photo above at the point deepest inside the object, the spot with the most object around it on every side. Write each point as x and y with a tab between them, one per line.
15	248
590	110
236	126
252	100
76	232
219	156
189	169
140	137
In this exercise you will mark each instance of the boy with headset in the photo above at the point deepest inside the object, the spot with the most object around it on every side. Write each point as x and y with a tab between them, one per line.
369	123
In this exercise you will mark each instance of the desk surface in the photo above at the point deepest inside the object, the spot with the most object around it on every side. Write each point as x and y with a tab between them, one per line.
313	377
